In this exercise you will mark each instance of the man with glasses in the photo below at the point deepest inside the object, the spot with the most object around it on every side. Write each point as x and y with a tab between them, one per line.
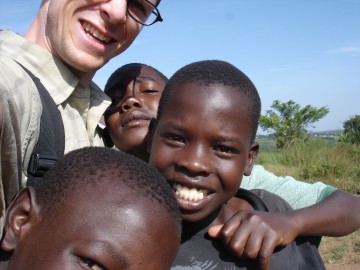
67	42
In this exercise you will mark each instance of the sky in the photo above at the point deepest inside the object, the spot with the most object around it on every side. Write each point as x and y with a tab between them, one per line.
302	50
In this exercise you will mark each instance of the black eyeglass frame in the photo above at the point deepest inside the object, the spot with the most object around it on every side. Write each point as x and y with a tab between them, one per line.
154	11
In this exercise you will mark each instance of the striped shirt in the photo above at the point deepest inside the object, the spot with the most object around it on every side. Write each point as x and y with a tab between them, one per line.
81	107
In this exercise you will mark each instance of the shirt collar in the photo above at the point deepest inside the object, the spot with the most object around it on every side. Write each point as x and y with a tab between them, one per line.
58	79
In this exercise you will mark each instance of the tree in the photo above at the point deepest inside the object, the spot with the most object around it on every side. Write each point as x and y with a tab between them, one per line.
290	121
351	132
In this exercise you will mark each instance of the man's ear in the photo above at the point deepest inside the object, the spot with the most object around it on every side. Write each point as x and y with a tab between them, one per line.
19	217
254	150
151	132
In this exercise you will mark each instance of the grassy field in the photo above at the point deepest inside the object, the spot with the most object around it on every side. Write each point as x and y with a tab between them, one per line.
317	159
328	161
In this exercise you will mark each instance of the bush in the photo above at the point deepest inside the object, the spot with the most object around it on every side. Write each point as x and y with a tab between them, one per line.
351	132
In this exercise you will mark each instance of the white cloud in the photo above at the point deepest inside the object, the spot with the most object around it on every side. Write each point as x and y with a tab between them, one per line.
350	49
352	1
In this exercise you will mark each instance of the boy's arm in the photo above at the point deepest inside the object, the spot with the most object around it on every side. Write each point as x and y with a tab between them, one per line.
254	234
320	209
337	215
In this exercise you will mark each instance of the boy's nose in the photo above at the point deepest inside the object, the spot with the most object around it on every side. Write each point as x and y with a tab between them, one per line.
195	161
130	103
115	10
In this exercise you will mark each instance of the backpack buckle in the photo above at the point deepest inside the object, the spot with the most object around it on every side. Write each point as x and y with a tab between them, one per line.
40	164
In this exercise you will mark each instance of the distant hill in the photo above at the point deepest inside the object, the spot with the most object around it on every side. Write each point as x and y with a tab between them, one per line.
334	132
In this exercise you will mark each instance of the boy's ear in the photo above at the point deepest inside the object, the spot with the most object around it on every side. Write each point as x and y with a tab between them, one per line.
151	132
19	217
254	150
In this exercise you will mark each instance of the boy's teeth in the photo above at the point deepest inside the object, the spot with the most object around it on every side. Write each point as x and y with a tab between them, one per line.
190	194
95	33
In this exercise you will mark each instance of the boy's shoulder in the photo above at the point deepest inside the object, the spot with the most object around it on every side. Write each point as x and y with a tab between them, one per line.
259	200
265	200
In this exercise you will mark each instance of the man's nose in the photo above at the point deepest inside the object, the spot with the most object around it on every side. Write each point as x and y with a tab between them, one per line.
115	10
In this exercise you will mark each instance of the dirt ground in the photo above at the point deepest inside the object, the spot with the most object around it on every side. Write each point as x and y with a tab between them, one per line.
341	253
342	266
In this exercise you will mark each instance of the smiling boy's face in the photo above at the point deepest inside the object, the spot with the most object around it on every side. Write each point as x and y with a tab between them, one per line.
116	231
202	145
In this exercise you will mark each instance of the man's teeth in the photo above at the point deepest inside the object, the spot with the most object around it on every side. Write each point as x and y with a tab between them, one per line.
95	33
190	194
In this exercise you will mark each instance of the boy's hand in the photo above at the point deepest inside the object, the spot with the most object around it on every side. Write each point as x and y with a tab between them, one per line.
255	234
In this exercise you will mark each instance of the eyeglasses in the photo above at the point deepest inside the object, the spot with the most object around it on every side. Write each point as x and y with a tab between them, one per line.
143	12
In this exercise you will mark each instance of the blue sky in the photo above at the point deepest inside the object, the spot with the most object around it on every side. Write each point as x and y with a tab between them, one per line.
304	50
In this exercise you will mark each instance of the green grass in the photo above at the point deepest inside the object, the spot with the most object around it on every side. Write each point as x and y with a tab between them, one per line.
327	161
317	159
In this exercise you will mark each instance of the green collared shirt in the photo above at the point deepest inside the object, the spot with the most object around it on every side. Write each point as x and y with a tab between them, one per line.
297	193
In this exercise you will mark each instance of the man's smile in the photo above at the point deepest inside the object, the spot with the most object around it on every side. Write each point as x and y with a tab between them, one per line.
95	33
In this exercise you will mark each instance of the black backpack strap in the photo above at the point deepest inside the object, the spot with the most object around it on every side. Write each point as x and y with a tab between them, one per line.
51	143
104	133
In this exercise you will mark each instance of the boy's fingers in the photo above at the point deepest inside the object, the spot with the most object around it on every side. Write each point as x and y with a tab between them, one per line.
267	249
214	231
264	263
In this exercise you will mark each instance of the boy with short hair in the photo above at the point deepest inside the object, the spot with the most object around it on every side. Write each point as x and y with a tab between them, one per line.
132	84
203	144
91	211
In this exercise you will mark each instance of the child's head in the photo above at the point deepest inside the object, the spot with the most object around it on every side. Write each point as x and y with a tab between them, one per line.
204	138
98	208
135	90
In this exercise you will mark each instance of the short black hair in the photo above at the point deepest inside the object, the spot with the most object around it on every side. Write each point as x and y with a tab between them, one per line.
114	79
211	72
92	166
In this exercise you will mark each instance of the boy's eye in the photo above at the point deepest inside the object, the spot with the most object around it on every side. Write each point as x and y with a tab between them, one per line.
226	149
173	138
91	264
150	91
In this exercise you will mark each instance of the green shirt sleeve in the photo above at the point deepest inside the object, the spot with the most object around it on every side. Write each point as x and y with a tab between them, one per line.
297	193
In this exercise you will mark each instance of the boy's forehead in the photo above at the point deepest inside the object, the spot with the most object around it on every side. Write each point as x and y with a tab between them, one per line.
198	99
132	73
205	93
136	71
150	73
